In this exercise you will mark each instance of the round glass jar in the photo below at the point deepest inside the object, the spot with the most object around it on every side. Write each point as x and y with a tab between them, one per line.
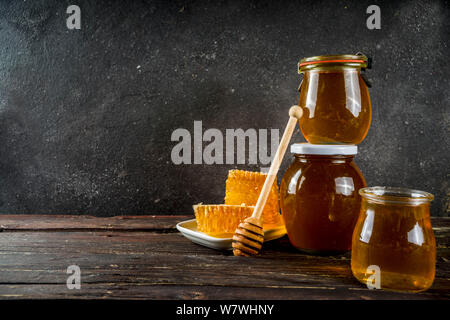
319	197
335	99
393	236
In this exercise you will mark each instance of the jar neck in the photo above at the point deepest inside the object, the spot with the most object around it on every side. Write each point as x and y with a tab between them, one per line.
332	69
306	158
396	196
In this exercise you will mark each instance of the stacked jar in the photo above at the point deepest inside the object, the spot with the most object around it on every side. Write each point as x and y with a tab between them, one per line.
319	195
389	229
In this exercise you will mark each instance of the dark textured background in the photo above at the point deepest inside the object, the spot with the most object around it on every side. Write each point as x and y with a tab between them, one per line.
84	130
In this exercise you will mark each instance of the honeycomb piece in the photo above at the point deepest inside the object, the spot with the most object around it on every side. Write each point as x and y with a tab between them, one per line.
219	219
244	187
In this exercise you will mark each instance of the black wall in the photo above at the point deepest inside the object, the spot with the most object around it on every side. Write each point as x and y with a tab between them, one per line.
86	116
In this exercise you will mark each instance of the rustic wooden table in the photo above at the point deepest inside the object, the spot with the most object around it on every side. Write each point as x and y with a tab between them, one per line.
144	257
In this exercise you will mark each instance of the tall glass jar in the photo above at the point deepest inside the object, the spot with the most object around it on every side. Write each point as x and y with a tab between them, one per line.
319	197
393	236
335	99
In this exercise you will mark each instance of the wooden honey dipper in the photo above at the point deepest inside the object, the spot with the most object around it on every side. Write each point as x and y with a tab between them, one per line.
249	235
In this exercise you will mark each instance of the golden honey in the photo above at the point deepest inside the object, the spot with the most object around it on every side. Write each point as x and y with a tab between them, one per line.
394	233
244	187
319	197
335	100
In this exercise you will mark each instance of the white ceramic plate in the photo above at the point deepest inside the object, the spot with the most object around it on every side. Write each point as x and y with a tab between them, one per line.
189	229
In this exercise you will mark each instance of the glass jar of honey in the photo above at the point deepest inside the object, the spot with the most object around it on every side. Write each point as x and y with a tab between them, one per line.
393	236
335	99
319	197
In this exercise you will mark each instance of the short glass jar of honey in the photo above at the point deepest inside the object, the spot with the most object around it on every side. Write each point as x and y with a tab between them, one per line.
319	197
393	237
335	99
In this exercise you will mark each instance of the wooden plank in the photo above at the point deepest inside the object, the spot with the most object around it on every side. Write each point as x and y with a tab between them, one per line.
192	292
154	262
124	223
79	223
127	260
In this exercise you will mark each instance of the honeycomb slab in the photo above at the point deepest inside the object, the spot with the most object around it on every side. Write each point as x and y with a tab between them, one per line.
244	187
220	220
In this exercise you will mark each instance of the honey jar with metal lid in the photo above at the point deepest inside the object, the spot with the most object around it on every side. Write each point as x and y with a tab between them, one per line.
335	99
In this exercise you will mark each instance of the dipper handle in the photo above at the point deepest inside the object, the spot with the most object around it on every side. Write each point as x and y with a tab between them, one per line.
295	113
249	235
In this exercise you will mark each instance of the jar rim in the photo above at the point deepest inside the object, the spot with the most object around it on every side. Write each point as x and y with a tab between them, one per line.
396	195
349	60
